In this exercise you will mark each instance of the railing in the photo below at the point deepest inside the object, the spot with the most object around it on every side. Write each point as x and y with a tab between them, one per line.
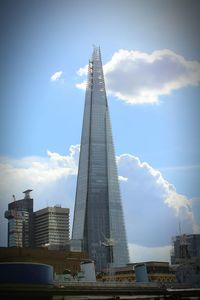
107	284
115	284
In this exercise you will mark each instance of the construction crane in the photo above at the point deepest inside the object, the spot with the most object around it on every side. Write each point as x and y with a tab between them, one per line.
109	244
15	214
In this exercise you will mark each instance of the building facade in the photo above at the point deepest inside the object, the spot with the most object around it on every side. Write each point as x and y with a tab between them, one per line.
185	258
20	221
186	247
98	216
51	227
47	227
60	260
156	272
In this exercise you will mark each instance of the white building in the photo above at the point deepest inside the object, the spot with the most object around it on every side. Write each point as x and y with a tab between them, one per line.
51	227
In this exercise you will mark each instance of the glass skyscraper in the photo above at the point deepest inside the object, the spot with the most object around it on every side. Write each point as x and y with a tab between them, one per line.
98	215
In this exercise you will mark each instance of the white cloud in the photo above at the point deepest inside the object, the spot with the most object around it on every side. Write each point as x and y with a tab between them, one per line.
138	77
122	178
56	76
151	204
82	85
38	170
153	208
83	71
69	162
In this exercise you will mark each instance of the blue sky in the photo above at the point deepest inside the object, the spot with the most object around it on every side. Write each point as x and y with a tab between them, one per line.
151	134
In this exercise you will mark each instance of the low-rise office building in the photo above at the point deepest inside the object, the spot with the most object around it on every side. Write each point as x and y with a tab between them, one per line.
156	272
51	227
60	260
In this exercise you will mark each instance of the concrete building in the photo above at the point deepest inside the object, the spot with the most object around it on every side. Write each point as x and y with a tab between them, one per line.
185	248
47	227
51	227
156	272
20	221
98	216
185	258
60	260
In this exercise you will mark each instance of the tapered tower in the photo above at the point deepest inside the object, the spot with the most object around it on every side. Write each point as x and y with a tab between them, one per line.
98	216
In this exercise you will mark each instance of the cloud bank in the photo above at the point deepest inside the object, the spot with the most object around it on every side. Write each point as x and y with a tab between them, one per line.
138	77
152	207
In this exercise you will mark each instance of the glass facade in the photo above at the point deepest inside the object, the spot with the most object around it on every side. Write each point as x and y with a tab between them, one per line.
98	215
20	223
